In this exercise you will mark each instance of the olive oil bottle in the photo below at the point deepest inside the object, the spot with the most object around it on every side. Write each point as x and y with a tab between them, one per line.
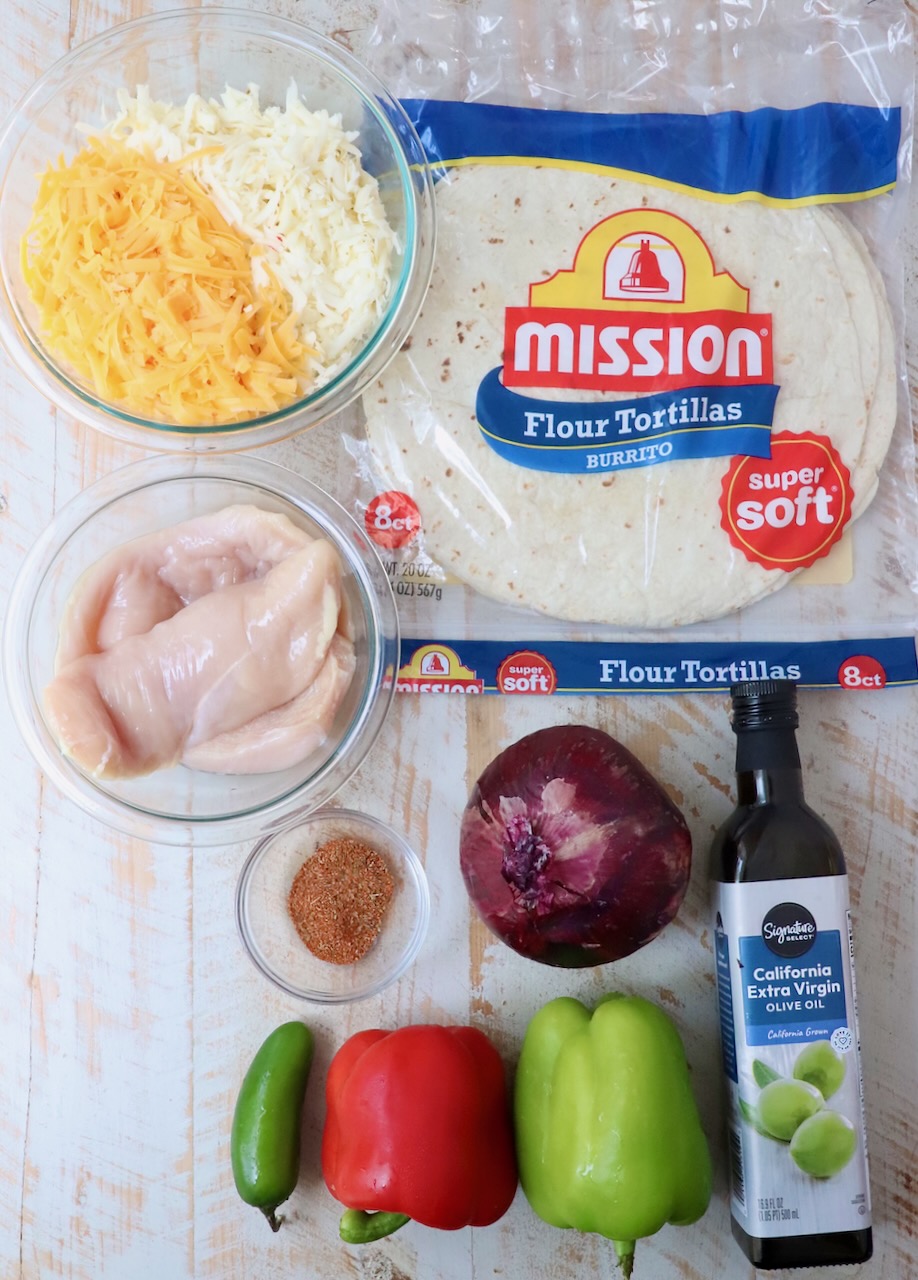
799	1192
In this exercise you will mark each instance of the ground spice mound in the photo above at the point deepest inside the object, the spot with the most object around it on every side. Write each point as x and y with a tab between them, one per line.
338	900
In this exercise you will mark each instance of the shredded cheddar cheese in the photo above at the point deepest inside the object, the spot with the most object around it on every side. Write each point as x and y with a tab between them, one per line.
148	293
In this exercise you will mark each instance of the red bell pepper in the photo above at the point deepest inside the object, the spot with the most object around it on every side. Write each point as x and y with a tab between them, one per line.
418	1126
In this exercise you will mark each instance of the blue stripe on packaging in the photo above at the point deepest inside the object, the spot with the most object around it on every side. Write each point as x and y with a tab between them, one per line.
829	150
725	1001
799	1009
591	436
597	667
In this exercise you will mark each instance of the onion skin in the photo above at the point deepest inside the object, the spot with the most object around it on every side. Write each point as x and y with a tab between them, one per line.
571	851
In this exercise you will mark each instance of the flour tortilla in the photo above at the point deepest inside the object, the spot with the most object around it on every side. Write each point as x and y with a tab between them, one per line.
641	548
878	363
884	402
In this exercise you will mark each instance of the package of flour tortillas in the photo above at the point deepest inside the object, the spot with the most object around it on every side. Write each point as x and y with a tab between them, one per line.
651	430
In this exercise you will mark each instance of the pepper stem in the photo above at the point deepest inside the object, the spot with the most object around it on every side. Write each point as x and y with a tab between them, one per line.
625	1251
274	1222
357	1226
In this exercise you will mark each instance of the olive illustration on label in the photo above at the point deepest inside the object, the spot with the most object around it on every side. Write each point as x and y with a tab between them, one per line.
785	1104
824	1144
818	1064
821	1141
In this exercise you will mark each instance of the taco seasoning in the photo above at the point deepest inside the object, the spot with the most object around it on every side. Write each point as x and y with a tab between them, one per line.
338	900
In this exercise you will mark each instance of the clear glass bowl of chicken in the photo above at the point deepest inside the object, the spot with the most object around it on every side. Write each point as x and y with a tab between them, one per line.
198	649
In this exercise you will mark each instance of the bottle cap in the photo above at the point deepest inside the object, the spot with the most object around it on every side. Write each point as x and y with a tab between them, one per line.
764	704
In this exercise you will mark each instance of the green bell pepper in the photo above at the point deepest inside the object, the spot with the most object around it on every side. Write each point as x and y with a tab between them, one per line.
608	1134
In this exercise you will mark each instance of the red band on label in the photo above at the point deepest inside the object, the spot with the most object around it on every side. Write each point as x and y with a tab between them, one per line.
392	519
789	510
634	350
526	672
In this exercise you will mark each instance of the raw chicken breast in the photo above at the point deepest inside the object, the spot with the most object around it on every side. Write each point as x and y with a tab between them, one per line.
219	663
150	579
288	734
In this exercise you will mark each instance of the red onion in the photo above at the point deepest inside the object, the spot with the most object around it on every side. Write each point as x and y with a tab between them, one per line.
571	851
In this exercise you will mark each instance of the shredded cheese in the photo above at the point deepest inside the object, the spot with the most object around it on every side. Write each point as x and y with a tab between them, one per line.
145	289
292	180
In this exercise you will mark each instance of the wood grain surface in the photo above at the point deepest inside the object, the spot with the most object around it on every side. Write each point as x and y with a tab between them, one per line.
130	1011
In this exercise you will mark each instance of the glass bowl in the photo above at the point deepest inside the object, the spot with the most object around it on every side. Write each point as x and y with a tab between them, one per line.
202	51
267	930
180	805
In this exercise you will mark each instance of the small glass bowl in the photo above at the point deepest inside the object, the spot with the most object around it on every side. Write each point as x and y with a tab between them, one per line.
182	805
203	50
267	930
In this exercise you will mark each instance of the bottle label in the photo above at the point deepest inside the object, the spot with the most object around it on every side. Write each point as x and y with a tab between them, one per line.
791	1053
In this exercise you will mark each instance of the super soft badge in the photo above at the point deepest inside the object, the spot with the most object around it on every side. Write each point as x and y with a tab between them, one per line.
786	511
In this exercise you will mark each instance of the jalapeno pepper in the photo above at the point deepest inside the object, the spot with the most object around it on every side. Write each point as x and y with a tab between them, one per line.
265	1139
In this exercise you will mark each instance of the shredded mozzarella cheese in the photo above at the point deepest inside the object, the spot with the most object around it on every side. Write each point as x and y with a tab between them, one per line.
292	181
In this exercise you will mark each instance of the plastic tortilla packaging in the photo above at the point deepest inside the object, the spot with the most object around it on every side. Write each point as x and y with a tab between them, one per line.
651	430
